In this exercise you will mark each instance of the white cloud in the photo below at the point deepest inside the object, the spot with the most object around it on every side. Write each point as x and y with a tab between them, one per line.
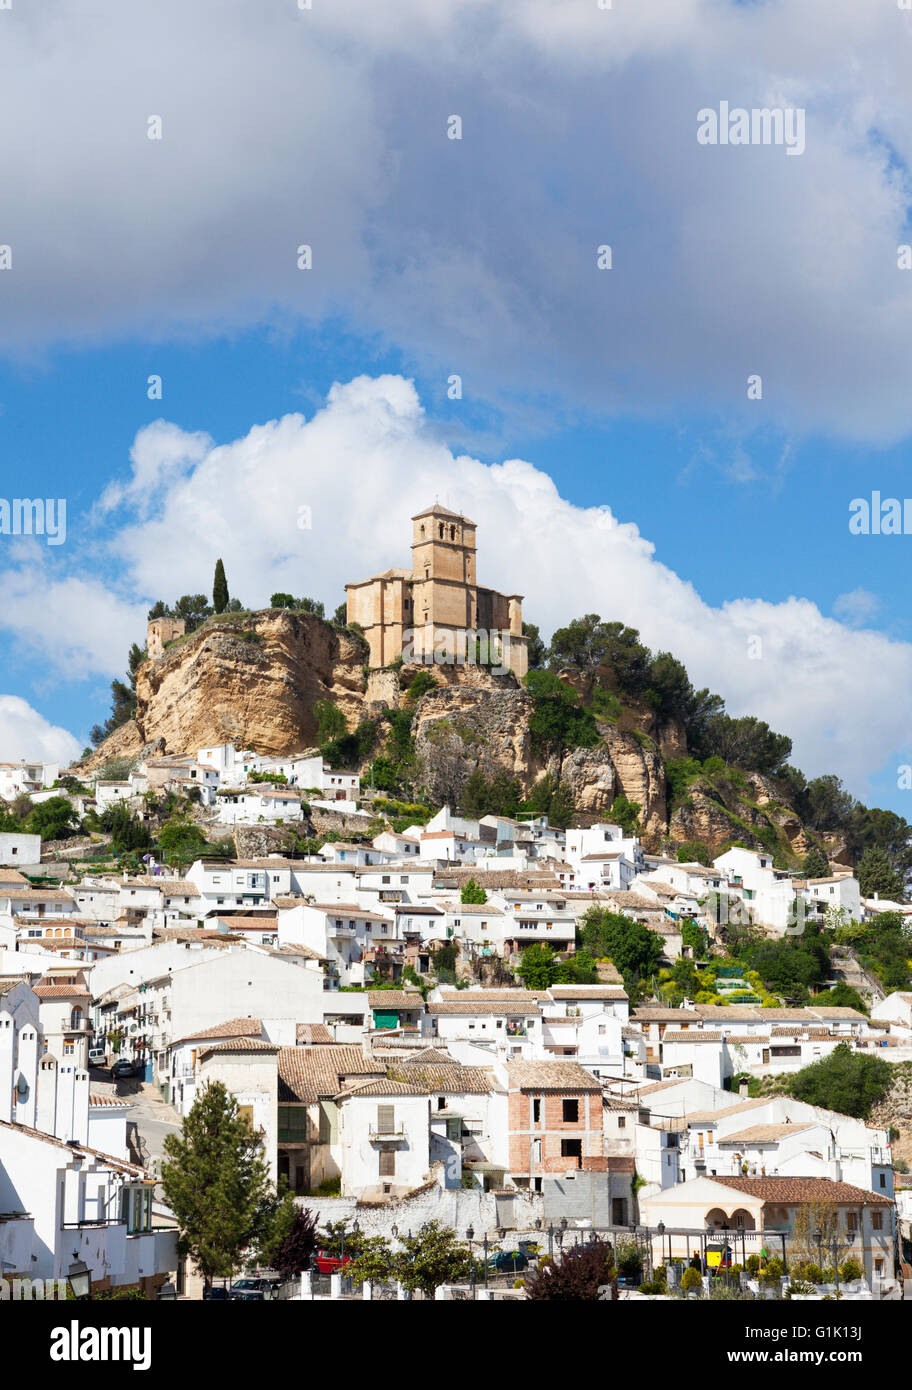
857	607
24	733
367	461
71	626
283	126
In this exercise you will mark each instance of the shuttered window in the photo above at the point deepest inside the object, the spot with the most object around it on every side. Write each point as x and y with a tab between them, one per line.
387	1163
385	1119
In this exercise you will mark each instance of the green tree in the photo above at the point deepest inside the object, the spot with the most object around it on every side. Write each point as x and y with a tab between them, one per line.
473	892
126	830
814	864
558	720
215	1179
626	814
220	593
693	852
431	1257
375	1262
876	875
180	841
282	600
53	819
330	721
845	1081
634	949
538	966
340	617
536	649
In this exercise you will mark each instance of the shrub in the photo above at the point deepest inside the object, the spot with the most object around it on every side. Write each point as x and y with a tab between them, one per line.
691	1280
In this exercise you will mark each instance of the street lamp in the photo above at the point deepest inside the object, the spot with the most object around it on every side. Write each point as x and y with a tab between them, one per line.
486	1261
80	1277
660	1230
470	1236
818	1236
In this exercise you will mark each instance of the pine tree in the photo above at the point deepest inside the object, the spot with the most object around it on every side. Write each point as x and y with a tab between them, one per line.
815	864
216	1181
875	874
219	588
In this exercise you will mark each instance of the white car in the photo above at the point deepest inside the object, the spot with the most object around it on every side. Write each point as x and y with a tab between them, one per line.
97	1056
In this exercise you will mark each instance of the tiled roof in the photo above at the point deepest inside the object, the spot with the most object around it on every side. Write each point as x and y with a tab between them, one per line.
38	895
483	1006
171	887
313	1033
787	1190
246	1027
394	999
98	1101
551	1076
709	1117
306	1073
691	1035
61	991
12	876
240	1045
763	1134
444	1078
587	992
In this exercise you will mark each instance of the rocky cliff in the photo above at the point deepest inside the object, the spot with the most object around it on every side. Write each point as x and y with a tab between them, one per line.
460	728
251	679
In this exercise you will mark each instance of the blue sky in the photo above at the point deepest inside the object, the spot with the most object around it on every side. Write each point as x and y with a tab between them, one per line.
626	390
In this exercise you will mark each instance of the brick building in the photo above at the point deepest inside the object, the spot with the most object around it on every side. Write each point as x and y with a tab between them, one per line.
555	1120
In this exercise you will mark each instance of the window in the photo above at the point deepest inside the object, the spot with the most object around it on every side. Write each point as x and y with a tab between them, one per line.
883	1179
387	1163
441	1102
622	1121
536	1111
245	1112
386	1117
570	1111
877	1220
572	1148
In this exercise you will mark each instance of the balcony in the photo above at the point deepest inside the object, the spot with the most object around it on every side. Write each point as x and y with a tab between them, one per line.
396	1135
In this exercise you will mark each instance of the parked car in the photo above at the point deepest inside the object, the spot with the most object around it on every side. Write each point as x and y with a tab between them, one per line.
217	1293
329	1264
508	1261
97	1056
253	1290
123	1068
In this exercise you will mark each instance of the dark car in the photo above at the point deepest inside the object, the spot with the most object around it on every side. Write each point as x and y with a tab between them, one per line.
253	1290
123	1068
508	1261
218	1293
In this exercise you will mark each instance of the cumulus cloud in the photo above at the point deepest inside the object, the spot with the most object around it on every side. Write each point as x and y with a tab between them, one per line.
856	607
67	625
368	459
328	127
24	733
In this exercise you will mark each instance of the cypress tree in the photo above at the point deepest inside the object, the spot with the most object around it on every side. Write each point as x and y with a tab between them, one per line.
219	588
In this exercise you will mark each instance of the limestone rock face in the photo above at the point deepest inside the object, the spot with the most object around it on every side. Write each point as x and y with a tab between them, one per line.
251	681
461	728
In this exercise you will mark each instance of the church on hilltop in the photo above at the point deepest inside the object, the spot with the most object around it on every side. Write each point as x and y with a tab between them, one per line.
437	605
